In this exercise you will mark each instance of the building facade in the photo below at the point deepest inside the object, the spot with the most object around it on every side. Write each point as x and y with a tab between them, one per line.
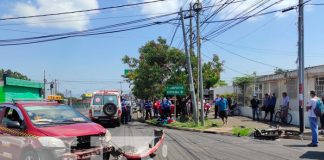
11	88
286	82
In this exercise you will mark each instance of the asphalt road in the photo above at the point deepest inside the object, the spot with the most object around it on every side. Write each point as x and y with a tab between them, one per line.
184	145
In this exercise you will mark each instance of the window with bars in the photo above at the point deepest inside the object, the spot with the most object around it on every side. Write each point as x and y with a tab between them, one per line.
319	85
258	90
292	88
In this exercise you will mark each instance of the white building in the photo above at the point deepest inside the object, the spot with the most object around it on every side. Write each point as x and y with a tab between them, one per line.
286	82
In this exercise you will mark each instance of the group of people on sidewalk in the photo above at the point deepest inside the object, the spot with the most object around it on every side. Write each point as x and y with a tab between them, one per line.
314	108
269	105
222	106
163	105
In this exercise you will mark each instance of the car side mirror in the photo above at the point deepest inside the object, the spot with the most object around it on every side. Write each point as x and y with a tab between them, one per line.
13	124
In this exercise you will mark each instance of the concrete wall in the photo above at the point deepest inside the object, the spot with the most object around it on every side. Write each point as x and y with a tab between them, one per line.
247	112
222	90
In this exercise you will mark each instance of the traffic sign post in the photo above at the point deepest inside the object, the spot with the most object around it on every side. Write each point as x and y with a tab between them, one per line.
175	90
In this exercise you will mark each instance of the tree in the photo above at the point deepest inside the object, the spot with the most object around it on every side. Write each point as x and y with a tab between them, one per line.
211	72
241	82
220	83
280	71
13	74
160	65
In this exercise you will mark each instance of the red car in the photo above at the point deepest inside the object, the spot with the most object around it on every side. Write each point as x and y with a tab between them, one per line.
51	131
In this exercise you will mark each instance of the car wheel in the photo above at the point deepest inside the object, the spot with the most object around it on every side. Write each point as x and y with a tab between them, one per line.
29	155
109	109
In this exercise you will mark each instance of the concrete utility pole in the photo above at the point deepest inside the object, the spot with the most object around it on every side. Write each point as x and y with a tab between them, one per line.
191	32
44	94
191	83
301	64
197	9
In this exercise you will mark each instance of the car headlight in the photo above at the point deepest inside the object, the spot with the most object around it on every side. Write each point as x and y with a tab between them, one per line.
107	136
51	142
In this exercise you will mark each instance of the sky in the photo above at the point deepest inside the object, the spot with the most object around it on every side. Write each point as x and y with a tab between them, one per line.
86	64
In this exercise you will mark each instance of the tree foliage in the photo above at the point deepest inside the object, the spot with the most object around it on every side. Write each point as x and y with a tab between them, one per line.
13	74
280	71
243	81
160	65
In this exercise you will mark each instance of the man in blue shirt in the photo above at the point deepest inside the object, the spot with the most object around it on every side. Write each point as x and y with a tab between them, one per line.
166	108
222	107
272	105
148	108
216	106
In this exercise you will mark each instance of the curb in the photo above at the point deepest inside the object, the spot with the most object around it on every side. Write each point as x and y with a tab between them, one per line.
230	134
192	130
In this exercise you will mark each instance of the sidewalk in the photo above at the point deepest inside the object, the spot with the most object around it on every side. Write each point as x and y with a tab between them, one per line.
246	122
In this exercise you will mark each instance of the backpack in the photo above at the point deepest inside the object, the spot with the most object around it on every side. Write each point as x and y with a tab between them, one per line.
319	109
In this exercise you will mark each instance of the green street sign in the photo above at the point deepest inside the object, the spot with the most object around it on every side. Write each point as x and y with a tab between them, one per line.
175	90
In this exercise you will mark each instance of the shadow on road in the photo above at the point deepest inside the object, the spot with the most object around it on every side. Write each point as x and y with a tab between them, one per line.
313	155
296	145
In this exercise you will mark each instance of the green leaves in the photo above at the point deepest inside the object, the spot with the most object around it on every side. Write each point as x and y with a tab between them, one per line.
160	65
12	74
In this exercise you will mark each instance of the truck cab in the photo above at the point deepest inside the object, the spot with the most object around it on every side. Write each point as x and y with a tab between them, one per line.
49	131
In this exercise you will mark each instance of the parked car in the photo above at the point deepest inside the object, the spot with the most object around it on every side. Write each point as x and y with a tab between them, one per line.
49	131
105	107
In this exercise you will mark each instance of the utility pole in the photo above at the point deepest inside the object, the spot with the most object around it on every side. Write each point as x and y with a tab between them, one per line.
191	83
55	86
71	98
197	8
44	94
191	32
301	64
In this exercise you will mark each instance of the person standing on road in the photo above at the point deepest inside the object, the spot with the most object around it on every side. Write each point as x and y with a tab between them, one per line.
156	108
222	104
284	107
148	109
272	105
255	105
322	117
216	106
124	116
166	108
206	108
311	105
266	105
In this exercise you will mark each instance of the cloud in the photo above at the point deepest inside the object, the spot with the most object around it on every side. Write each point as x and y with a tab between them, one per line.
39	7
163	7
229	12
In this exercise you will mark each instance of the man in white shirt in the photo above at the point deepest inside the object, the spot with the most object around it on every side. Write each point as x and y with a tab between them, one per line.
284	106
311	105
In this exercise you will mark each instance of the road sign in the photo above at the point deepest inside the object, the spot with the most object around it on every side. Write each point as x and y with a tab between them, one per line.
175	90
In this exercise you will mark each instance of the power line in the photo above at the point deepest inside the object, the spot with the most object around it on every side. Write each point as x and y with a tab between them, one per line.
80	11
223	65
223	29
83	35
233	53
90	30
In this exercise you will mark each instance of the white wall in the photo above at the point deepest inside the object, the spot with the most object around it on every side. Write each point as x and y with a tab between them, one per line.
222	90
247	112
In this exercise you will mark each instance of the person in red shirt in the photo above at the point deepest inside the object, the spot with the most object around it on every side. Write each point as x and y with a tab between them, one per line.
156	108
206	108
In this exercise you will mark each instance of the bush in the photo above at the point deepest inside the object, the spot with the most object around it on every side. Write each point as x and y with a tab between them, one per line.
241	131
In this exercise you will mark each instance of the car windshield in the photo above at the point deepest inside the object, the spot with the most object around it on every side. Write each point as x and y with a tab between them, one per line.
104	99
52	115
